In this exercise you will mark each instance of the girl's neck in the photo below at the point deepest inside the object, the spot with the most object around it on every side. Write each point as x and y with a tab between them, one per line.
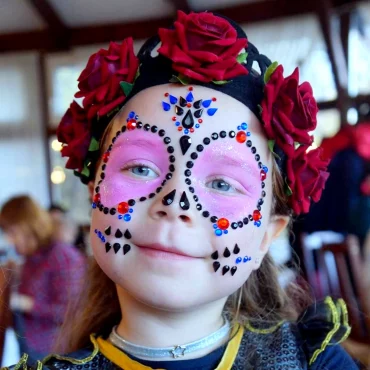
151	327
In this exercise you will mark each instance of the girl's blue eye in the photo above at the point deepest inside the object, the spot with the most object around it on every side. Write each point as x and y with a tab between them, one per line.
220	185
143	171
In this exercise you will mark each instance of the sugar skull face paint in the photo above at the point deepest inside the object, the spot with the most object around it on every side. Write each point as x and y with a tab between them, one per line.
214	179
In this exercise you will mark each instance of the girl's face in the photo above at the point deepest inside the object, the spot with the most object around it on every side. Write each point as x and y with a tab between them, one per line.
185	200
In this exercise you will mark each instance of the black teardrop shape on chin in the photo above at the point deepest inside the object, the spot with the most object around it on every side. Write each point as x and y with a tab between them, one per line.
118	234
197	104
225	270
116	247
183	102
188	120
214	255
168	199
236	249
107	230
216	265
108	247
179	111
185	143
198	113
184	202
227	252
233	270
126	249
127	234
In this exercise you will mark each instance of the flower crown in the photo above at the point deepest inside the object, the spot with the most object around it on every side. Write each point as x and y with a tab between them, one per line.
207	50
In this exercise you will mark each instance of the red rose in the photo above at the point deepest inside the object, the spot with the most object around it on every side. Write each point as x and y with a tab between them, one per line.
74	132
289	110
100	81
203	47
306	177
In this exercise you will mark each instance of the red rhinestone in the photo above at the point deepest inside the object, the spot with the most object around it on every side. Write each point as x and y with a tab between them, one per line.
173	119
263	175
214	99
106	157
223	223
190	88
131	125
256	215
123	208
241	137
191	130
179	128
200	120
188	105
166	94
96	198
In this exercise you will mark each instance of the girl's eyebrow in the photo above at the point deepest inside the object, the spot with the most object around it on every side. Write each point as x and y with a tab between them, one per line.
143	143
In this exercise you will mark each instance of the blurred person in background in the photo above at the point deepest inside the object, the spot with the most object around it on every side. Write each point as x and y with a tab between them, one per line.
51	274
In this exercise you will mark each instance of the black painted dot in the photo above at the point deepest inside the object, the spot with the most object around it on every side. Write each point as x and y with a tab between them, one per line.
172	168
142	199
214	136
260	164
170	149
151	195
206	140
164	182
187	173
154	129
253	149
200	148
139	124
167	140
195	198
123	129
118	133
187	181
257	157
172	158
114	140
102	175
147	127
249	143
131	202
194	155
161	133
169	176
189	164
97	189
112	211
250	218
263	185
260	202
205	214
232	134
191	189
245	220
240	224
158	189
199	207
103	167
223	134
263	193
234	225
259	208
214	219
106	210
101	207
100	181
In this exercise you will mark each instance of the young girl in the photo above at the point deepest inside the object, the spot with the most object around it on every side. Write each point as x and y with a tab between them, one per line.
191	182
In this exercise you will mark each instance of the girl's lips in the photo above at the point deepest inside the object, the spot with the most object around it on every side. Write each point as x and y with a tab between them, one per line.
163	252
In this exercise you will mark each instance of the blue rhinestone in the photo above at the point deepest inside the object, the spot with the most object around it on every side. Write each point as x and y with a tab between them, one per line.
120	217
103	239
211	111
248	134
244	126
206	103
136	117
186	131
190	97
173	99
257	223
166	106
93	205
127	217
197	125
238	260
245	259
265	169
218	232
131	210
239	128
99	234
215	226
131	115
226	231
177	123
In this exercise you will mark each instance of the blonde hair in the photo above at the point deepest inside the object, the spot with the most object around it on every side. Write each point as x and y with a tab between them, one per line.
261	299
23	212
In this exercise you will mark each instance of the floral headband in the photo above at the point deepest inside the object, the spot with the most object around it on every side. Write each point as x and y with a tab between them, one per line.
207	50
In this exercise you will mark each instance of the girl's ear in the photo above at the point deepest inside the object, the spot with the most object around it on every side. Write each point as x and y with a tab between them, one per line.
90	187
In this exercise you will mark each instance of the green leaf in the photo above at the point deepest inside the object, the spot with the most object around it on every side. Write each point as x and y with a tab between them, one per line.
269	71
222	82
174	79
260	110
288	190
271	144
185	80
242	57
94	145
85	171
137	73
126	87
